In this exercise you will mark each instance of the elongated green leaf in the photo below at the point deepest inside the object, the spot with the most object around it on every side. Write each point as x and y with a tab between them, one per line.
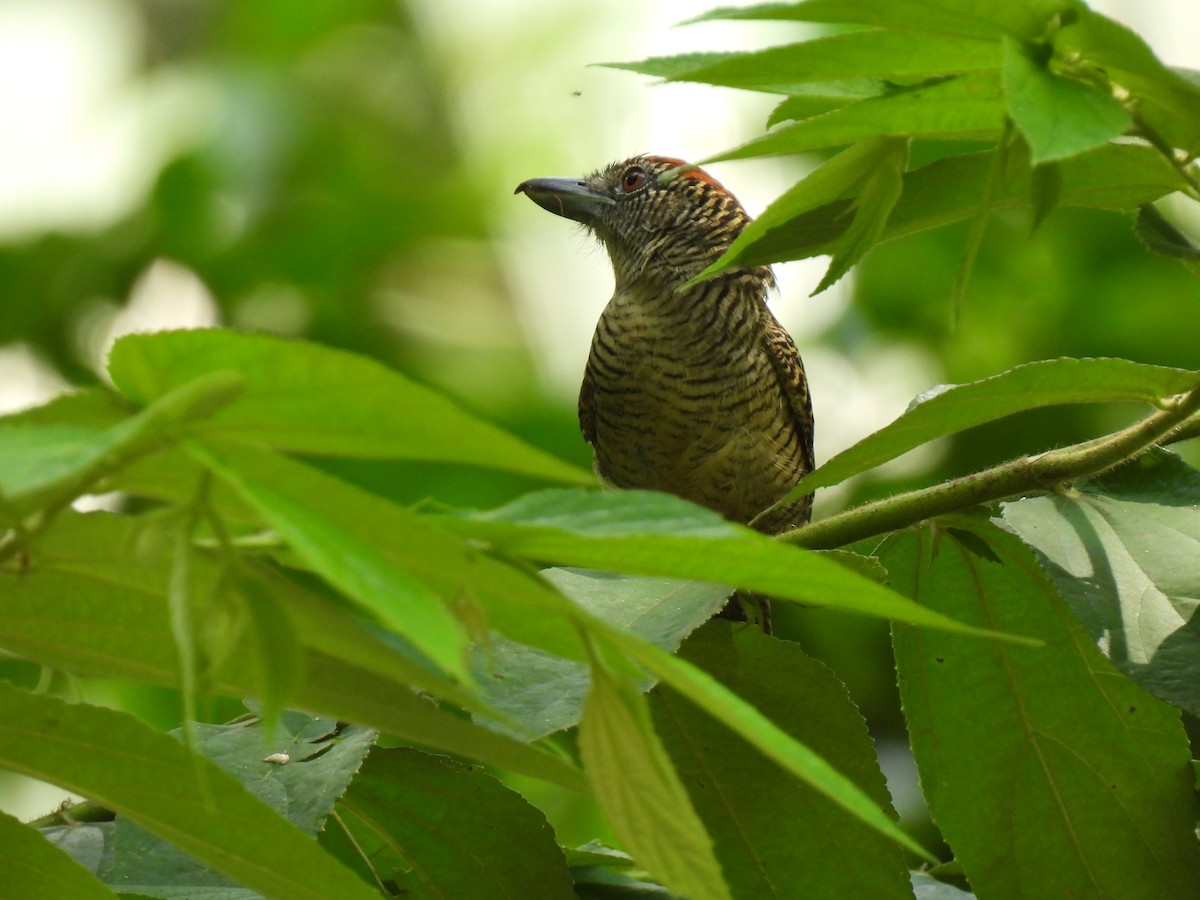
869	169
966	107
898	56
312	399
970	18
767	737
776	836
1049	773
152	779
647	533
1115	176
401	567
1059	117
545	693
1122	550
337	541
640	793
949	409
51	464
311	763
428	826
93	601
872	206
33	868
813	99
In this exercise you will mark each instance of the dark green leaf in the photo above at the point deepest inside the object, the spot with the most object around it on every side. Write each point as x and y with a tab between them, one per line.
297	397
639	791
426	826
1045	192
322	757
1049	773
1165	239
1059	117
1122	550
745	720
152	779
776	836
33	868
949	409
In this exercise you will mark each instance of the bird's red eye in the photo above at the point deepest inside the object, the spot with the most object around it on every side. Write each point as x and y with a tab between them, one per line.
633	179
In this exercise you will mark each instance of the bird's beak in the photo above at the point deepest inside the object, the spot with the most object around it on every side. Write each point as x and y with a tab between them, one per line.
567	197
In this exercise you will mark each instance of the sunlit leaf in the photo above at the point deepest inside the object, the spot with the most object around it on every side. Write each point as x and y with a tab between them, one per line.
1121	548
33	868
1059	117
312	399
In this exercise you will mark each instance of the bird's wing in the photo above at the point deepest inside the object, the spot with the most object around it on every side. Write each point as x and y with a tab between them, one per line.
789	369
587	408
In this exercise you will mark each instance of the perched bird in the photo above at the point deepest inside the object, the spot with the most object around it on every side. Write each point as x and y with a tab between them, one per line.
696	391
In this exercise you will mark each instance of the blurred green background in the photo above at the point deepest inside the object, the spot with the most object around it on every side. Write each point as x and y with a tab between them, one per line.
342	171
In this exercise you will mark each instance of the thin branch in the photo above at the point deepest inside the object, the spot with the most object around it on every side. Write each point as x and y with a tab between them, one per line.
1025	475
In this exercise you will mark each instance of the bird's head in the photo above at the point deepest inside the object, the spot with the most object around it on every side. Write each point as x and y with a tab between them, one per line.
662	220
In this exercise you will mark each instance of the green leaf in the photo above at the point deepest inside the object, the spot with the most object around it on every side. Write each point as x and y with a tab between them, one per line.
51	464
898	56
1167	102
637	788
872	169
1059	117
949	409
298	397
970	18
649	533
775	835
151	778
426	826
1165	239
1049	773
1115	176
93	601
545	693
399	566
872	206
33	868
322	758
1122	550
333	527
966	107
809	100
767	737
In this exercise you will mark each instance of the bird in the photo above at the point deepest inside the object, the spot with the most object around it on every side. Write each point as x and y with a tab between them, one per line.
692	389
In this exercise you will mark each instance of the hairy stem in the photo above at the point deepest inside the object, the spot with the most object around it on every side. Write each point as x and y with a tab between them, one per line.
1024	475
